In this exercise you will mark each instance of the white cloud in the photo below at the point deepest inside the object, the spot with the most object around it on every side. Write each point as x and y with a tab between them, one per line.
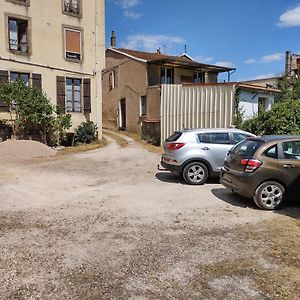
272	57
131	14
250	61
203	59
227	64
290	18
151	42
127	6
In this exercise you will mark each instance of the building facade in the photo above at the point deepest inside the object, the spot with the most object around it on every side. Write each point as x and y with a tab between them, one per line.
131	78
58	46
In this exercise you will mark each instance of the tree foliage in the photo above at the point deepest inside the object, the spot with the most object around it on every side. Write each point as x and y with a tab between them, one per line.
32	112
284	116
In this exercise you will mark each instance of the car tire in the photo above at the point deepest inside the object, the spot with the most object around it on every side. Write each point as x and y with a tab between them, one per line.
195	173
269	195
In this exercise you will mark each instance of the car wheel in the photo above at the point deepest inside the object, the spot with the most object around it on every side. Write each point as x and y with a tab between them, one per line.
269	195
195	173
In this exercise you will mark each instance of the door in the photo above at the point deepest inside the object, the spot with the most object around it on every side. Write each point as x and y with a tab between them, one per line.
123	114
214	147
289	166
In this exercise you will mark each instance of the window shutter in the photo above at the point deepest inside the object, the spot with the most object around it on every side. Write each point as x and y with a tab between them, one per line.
3	79
87	95
61	92
37	81
73	43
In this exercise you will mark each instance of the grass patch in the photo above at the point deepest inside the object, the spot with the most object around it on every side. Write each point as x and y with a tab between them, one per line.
83	147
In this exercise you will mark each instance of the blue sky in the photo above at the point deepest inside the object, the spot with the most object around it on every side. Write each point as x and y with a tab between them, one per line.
251	36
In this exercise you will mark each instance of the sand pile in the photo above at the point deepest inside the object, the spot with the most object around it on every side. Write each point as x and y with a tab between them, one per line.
24	149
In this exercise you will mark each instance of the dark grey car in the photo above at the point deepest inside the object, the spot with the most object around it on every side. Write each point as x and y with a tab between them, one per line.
199	153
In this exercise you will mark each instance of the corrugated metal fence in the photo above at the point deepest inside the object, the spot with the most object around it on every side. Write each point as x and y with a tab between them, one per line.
198	106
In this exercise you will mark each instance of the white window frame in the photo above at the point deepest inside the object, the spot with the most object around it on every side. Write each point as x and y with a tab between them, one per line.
65	37
141	106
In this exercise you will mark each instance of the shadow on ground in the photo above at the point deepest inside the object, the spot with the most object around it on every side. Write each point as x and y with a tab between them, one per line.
169	177
290	208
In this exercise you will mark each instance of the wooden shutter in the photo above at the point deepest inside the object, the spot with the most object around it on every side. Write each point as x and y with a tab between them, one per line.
3	79
37	81
61	92
87	95
73	42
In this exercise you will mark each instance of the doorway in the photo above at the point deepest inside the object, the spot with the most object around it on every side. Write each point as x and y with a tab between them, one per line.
122	114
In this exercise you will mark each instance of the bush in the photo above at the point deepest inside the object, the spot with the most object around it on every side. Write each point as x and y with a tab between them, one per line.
85	133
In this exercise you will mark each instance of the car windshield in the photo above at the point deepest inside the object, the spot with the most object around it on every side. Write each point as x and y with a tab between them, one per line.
247	148
174	137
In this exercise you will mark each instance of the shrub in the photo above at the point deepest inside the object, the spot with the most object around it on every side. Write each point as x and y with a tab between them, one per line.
85	133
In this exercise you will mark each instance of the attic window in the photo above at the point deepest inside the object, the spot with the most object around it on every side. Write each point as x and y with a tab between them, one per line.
72	7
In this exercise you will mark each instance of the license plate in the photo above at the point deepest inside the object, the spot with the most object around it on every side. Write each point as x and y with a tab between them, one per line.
227	177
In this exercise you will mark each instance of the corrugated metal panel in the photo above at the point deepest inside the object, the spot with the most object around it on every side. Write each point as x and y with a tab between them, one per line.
210	106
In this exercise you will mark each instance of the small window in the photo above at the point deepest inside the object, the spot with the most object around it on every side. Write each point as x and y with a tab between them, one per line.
214	138
73	44
143	107
72	7
18	35
112	80
73	95
17	75
166	75
291	150
199	77
271	152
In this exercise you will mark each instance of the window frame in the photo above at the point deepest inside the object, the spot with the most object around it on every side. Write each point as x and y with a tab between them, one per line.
19	2
281	150
213	133
19	75
73	95
79	15
141	106
196	76
9	17
112	80
75	29
165	76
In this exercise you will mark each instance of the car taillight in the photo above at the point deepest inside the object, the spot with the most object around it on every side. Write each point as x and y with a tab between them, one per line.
175	146
251	164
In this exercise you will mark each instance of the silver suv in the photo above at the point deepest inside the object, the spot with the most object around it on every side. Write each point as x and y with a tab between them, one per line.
199	153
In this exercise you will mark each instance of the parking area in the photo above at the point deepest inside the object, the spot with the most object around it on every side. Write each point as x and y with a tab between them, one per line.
106	224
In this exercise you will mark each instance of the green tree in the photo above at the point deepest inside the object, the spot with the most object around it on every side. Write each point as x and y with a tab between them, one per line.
32	112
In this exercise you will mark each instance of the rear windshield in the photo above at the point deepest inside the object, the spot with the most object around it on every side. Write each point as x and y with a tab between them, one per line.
247	148
174	137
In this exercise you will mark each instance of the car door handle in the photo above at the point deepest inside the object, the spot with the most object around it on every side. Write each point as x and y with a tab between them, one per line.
288	166
205	148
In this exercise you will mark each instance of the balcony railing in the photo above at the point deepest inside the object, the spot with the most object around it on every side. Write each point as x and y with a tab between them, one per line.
14	45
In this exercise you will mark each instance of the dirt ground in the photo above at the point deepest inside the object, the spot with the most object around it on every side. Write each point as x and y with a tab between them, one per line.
106	224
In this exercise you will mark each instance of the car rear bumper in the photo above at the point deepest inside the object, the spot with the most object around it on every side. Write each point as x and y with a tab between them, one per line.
240	183
170	167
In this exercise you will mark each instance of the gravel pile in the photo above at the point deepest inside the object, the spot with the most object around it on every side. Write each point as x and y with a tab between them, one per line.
24	149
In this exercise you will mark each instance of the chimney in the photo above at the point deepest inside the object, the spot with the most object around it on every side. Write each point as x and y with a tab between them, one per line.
288	63
113	40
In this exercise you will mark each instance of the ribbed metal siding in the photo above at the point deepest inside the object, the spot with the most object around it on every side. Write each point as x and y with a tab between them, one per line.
196	107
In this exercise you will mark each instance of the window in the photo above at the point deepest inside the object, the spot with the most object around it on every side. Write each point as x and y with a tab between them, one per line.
199	77
214	138
237	137
111	79
247	148
73	95
23	76
271	152
166	75
21	2
73	44
291	150
18	35
143	108
72	7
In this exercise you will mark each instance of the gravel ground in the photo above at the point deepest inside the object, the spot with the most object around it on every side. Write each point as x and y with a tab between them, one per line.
106	224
